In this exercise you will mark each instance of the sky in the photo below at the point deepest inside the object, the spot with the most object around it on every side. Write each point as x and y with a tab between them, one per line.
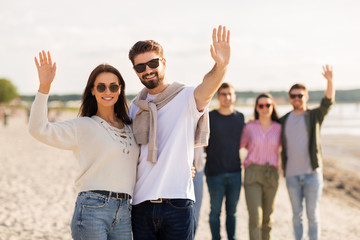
274	44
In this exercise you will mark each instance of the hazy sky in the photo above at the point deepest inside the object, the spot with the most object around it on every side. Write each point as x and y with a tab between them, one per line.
274	43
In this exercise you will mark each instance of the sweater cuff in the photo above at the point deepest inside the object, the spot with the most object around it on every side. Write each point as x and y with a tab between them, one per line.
42	95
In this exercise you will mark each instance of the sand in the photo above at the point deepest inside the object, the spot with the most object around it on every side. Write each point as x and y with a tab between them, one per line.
37	195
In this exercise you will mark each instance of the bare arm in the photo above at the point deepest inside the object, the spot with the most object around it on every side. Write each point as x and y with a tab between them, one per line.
220	52
46	70
328	75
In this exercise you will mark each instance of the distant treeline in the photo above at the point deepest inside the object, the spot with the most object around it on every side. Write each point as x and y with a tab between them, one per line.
342	96
64	98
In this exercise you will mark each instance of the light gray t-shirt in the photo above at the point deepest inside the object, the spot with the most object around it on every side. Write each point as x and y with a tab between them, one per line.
298	162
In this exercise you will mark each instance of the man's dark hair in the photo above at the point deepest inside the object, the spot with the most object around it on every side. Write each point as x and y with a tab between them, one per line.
298	86
224	85
143	47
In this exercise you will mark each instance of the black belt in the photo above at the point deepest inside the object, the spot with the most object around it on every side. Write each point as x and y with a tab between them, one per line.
113	194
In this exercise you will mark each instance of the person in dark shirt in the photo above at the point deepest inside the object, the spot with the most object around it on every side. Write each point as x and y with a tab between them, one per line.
223	165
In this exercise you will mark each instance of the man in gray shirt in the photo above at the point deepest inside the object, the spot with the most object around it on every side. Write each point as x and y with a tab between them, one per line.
301	154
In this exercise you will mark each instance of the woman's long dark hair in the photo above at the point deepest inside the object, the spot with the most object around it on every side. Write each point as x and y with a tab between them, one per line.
89	105
274	115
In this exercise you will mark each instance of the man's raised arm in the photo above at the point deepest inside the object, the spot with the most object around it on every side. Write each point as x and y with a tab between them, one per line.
220	52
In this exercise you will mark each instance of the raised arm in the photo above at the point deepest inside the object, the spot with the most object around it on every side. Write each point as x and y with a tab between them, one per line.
220	52
58	134
328	75
46	71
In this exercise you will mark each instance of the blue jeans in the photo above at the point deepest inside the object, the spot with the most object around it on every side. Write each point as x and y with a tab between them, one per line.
99	217
308	187
172	219
198	187
228	185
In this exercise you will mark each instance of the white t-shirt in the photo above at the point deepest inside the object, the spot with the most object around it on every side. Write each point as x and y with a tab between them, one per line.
171	176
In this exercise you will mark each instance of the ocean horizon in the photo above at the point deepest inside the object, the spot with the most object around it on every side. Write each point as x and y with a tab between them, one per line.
343	118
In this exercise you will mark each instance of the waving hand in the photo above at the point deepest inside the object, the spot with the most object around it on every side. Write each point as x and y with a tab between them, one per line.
46	70
220	49
328	75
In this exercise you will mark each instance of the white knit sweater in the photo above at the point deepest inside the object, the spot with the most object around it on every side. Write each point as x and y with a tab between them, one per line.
107	156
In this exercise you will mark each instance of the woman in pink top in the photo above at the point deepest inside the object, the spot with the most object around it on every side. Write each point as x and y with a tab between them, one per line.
262	139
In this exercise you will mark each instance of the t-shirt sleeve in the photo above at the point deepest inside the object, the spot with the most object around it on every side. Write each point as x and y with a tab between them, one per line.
192	104
132	110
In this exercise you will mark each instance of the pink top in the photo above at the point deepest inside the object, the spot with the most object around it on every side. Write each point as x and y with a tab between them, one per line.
263	146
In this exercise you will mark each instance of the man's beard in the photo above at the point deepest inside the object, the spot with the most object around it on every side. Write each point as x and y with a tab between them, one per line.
153	83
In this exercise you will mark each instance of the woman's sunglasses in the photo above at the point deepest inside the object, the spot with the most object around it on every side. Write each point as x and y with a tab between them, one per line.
101	87
261	106
153	63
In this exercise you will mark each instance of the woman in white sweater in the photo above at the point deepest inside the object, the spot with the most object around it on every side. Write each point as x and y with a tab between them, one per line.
102	142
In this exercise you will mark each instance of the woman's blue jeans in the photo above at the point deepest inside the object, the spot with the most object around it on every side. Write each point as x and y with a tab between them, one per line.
98	217
226	185
308	187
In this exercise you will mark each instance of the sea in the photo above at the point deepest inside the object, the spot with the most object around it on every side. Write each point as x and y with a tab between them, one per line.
343	118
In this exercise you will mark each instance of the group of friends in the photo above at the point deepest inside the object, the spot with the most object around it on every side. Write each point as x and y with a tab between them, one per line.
295	136
135	163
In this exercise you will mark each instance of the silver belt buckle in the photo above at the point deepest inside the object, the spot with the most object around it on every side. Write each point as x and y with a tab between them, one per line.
117	196
159	200
120	196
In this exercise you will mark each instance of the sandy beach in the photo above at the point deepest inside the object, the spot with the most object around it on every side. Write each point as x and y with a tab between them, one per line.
37	197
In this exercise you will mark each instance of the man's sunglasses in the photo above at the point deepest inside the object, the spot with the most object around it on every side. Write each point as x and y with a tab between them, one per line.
293	96
261	106
153	63
101	87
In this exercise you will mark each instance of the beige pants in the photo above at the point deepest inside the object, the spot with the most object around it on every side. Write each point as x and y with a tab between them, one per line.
261	184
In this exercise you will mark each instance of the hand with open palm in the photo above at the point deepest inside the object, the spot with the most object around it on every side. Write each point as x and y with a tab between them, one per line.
328	72
328	75
46	70
220	49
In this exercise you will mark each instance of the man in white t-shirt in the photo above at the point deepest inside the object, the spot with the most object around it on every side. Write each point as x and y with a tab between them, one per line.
168	121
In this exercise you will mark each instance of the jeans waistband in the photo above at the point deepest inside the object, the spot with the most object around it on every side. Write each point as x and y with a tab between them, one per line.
161	200
112	194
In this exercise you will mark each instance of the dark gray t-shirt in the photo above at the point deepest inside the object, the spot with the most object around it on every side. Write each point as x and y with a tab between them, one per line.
297	140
